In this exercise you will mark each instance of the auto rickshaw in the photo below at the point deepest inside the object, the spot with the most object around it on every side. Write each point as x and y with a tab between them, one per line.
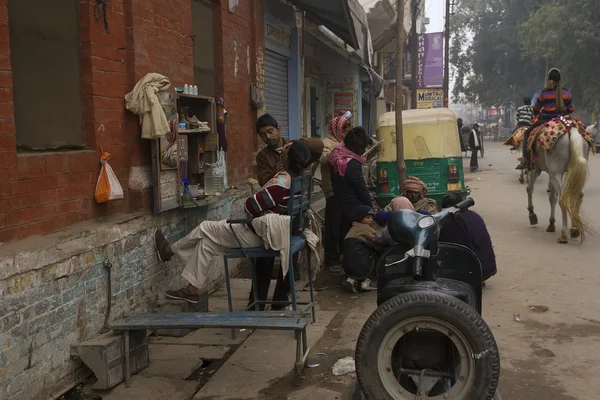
431	152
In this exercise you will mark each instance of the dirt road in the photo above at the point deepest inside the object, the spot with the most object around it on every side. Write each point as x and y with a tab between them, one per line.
551	355
554	354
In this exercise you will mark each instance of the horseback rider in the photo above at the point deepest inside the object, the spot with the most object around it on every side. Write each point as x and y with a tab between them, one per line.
525	113
552	102
524	117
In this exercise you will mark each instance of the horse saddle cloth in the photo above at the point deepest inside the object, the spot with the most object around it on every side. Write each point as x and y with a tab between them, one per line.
517	137
547	135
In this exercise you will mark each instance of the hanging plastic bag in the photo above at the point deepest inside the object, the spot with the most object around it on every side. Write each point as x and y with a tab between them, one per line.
222	165
108	186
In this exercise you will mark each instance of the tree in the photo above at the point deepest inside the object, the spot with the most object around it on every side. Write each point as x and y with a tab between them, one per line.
500	49
571	42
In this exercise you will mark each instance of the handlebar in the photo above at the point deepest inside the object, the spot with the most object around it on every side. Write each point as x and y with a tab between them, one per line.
465	204
462	206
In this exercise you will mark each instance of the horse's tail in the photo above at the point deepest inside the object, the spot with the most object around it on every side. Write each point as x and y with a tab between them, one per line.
577	175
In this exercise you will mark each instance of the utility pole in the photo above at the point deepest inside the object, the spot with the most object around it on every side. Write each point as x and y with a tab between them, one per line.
414	48
399	99
447	57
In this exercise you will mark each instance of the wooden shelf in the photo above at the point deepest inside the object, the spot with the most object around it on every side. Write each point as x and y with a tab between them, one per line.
188	131
193	96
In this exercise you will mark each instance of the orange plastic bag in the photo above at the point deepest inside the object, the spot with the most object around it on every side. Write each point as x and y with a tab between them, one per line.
108	186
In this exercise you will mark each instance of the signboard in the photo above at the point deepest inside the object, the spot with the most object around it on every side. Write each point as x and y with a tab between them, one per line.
279	36
430	60
344	99
430	98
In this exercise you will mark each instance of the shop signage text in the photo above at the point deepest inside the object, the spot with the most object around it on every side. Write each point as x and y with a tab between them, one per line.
430	98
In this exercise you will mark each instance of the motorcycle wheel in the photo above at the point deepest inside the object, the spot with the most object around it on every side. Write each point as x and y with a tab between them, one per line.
472	338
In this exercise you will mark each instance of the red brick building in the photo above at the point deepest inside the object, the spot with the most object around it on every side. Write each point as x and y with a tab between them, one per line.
64	72
62	97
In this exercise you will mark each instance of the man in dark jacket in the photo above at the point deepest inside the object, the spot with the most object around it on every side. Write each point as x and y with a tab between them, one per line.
475	145
468	229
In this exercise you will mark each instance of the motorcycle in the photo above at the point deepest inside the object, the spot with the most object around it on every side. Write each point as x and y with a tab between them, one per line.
427	339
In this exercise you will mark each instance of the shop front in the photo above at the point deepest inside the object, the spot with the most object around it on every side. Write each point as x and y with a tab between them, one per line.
282	68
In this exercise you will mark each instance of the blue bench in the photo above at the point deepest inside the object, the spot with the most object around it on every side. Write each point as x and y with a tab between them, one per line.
272	320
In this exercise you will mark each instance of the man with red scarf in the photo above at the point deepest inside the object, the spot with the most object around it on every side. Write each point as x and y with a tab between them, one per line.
347	176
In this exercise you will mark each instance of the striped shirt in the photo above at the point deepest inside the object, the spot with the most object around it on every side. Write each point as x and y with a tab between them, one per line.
546	104
524	115
273	197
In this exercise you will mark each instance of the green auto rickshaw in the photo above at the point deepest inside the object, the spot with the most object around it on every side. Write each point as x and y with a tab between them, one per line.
431	152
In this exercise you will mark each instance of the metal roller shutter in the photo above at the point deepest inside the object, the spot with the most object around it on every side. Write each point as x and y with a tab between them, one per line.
276	90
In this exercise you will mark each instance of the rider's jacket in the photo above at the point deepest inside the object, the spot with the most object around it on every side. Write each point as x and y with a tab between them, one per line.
546	104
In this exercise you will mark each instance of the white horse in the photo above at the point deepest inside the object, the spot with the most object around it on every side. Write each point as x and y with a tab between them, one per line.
570	154
524	176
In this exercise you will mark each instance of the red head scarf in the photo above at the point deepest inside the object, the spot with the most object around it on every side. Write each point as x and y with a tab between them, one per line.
336	126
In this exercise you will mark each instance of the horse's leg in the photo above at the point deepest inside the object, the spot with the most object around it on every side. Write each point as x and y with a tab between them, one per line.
555	188
533	220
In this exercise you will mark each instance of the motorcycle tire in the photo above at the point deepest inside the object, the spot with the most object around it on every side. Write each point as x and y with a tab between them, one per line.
433	306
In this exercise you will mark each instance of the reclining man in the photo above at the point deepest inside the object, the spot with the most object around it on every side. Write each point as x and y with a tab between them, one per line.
209	240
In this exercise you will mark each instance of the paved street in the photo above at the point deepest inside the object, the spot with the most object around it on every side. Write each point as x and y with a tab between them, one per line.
553	355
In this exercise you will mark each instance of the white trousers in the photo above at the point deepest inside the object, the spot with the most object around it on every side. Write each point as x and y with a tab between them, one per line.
201	248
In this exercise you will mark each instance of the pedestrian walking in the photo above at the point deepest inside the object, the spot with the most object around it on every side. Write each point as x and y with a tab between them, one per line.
475	145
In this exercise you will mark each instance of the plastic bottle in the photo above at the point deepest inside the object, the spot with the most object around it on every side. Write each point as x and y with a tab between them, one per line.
196	90
186	89
187	198
213	181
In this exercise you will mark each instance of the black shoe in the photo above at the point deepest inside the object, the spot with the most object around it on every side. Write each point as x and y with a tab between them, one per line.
162	246
182	295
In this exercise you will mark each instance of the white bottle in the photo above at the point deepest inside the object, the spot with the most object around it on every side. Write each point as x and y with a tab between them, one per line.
186	89
196	90
213	181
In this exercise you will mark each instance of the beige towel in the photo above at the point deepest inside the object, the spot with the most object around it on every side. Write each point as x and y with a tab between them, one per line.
143	101
274	230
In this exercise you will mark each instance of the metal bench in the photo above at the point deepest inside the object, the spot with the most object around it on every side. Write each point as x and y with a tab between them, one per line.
272	320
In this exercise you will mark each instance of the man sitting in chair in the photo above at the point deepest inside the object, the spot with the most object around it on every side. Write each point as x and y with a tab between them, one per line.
269	162
209	240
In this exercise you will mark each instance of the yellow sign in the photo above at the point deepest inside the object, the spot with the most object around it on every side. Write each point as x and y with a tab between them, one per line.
454	186
430	98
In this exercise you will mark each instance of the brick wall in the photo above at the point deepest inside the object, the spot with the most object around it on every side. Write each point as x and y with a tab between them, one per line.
240	39
53	292
53	287
45	192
